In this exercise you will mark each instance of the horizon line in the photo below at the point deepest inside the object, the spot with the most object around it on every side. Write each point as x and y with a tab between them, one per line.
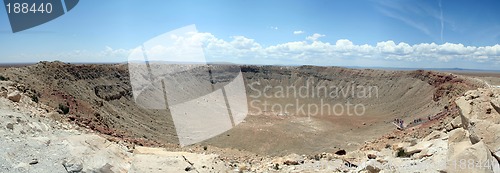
21	64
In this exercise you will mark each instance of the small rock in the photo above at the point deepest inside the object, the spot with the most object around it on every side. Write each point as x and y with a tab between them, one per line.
456	122
33	162
276	166
399	146
387	145
189	168
73	166
435	135
3	94
341	152
242	167
372	156
291	162
349	164
14	96
107	168
292	159
10	126
373	166
317	157
448	127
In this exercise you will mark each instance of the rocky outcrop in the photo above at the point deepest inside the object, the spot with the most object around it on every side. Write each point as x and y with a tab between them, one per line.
32	143
446	84
110	92
475	140
470	142
418	155
480	118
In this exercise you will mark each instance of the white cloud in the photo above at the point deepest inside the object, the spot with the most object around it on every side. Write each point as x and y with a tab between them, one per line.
241	42
313	50
240	49
317	50
314	37
110	52
298	32
274	27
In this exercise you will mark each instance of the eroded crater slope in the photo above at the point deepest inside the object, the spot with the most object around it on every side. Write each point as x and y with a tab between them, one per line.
353	105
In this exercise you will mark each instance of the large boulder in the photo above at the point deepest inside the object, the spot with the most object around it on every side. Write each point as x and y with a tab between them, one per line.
464	156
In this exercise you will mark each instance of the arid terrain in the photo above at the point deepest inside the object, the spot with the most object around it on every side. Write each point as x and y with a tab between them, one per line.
73	103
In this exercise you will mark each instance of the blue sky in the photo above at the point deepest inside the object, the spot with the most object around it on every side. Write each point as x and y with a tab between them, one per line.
419	34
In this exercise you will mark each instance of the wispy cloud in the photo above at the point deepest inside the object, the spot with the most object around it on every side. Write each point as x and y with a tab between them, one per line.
442	20
298	32
274	27
413	23
417	15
